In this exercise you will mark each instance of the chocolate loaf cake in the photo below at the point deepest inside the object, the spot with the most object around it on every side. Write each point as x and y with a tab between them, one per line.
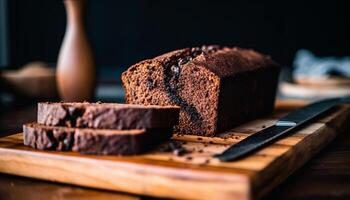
216	87
94	141
107	115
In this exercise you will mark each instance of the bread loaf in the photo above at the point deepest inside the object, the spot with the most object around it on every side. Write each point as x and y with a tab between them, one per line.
216	87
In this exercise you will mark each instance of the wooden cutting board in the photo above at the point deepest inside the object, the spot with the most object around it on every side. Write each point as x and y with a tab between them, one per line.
195	175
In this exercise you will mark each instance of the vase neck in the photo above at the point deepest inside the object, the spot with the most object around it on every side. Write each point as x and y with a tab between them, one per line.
75	12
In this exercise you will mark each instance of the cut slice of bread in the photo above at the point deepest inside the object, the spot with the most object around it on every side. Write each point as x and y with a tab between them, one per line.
94	141
107	115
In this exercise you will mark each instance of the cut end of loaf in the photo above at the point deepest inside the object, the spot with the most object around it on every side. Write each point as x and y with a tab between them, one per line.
172	79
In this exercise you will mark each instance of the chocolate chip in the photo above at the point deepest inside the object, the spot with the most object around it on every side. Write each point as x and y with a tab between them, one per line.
175	69
213	48
210	48
179	152
184	60
195	51
150	83
199	138
71	110
188	158
263	126
173	146
200	151
181	61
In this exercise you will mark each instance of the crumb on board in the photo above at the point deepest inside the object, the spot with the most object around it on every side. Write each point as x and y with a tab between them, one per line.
189	158
175	147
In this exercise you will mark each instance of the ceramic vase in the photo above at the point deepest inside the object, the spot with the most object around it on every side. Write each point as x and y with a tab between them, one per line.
76	73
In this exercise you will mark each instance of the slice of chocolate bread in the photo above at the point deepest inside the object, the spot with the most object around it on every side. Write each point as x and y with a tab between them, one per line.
216	87
107	115
94	141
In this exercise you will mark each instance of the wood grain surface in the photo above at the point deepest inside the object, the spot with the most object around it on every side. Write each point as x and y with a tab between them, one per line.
195	175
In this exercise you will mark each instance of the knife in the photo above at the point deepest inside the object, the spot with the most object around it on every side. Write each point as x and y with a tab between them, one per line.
291	122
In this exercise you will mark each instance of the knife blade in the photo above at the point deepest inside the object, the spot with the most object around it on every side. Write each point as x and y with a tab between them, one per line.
285	125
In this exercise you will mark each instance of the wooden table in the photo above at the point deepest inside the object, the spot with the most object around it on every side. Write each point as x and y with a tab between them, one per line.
327	176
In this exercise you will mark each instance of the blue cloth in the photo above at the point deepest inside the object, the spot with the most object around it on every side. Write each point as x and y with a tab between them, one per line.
306	64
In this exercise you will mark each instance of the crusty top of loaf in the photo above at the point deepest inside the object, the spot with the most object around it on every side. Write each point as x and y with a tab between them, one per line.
223	62
230	61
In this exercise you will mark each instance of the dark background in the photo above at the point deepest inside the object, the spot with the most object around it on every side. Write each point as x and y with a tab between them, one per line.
124	32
